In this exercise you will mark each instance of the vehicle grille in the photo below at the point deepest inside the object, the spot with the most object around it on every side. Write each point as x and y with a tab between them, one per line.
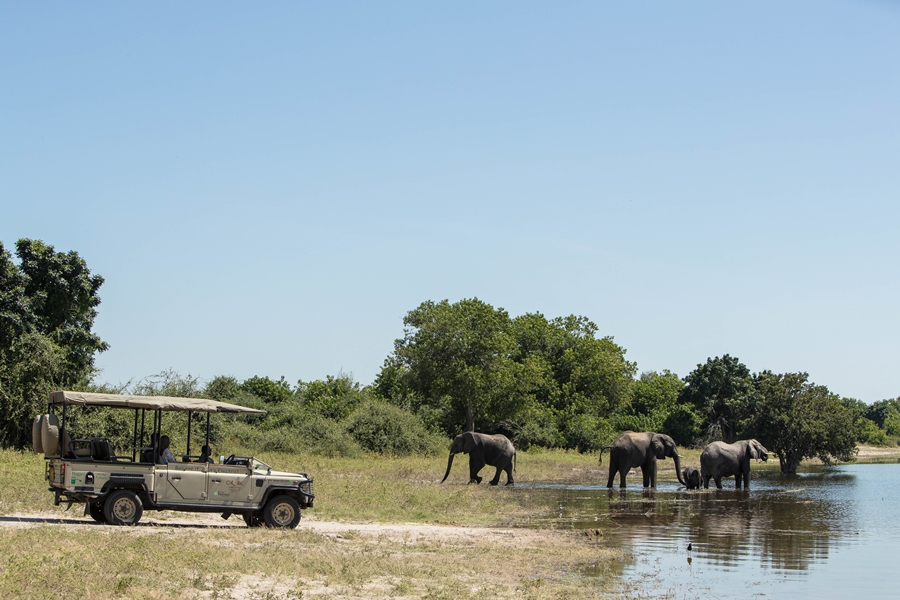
307	488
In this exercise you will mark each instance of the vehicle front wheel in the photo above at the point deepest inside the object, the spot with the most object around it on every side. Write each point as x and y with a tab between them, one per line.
96	512
253	519
282	512
123	508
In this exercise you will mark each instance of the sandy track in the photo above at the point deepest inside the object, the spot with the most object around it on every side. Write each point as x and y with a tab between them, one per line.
409	532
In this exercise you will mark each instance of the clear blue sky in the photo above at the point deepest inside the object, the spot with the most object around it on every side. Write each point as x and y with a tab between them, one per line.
269	188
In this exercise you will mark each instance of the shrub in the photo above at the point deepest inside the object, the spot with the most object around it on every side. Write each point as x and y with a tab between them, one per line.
270	391
684	425
381	427
871	433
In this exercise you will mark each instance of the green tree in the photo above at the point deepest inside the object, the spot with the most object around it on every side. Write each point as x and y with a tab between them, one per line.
576	381
881	410
270	391
458	356
47	309
797	419
722	391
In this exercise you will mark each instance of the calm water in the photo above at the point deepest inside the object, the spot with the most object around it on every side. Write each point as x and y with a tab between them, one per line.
829	534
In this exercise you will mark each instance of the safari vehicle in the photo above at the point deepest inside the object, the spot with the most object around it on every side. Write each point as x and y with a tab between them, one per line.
117	489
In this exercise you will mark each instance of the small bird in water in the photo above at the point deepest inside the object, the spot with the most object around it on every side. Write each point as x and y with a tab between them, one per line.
689	547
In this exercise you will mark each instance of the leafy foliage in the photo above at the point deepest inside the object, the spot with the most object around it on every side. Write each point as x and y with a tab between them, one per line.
722	391
544	382
47	310
798	419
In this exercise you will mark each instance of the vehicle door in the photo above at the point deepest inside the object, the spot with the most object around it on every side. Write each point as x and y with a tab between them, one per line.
186	482
230	485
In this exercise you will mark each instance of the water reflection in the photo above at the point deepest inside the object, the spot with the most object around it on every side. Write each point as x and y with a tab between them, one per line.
778	532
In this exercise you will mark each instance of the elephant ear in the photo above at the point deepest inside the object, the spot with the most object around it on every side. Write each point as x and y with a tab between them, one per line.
469	442
754	449
659	448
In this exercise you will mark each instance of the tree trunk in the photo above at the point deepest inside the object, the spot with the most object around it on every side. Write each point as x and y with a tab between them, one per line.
470	419
789	462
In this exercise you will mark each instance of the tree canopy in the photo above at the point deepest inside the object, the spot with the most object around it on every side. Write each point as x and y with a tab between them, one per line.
722	391
798	419
547	382
48	303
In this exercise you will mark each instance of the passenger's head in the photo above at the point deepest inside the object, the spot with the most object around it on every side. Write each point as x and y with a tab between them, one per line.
163	443
206	450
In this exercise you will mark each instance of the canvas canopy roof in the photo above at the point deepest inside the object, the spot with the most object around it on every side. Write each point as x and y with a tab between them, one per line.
148	402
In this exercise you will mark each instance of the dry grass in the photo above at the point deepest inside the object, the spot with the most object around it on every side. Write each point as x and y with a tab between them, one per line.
95	561
73	557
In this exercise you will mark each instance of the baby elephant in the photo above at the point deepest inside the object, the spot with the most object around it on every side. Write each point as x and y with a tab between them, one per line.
691	476
483	449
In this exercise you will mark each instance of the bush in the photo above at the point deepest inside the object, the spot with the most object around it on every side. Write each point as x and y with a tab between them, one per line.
587	433
538	429
270	391
871	433
381	427
684	425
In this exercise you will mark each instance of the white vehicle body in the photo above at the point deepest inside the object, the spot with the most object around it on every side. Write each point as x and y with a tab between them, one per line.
116	489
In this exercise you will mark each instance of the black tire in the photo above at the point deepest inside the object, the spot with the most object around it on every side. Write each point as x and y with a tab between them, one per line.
123	507
97	513
253	519
282	512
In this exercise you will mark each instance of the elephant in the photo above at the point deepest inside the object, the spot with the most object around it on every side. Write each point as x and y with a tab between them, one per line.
640	450
720	460
691	476
483	449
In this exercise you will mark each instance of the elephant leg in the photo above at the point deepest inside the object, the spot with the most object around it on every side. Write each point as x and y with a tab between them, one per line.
612	475
475	465
623	472
718	482
496	478
705	482
649	472
738	479
509	477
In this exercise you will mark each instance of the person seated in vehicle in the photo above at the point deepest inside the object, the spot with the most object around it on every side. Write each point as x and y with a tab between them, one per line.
205	453
164	456
147	451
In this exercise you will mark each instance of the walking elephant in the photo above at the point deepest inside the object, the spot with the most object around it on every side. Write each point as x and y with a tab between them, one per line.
483	449
691	476
642	450
720	460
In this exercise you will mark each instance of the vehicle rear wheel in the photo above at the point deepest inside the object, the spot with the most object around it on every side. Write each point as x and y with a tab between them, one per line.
123	507
253	519
97	513
282	512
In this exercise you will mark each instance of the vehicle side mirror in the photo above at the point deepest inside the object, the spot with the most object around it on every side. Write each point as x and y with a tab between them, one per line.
221	458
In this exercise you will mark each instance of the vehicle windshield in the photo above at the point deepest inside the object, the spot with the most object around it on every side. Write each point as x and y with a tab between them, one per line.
259	465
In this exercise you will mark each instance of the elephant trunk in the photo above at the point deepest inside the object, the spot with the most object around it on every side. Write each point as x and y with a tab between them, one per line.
449	464
677	460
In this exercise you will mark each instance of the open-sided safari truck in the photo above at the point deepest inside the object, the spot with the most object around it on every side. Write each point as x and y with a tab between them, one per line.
117	489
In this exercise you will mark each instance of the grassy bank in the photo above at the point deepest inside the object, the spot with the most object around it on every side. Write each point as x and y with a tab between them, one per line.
474	553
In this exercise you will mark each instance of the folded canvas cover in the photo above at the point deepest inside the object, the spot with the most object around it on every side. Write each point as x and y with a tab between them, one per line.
148	402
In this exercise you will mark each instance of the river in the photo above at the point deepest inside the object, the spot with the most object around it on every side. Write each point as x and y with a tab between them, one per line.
824	533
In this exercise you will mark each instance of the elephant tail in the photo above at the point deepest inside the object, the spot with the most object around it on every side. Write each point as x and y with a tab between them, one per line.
601	452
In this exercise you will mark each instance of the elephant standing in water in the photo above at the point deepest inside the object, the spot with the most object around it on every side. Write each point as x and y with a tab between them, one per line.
691	476
632	450
483	449
720	460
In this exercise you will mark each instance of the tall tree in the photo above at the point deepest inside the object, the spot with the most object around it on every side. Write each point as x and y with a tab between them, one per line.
47	310
722	391
460	355
797	419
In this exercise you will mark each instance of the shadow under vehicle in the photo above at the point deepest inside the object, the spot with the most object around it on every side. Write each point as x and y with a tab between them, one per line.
117	489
